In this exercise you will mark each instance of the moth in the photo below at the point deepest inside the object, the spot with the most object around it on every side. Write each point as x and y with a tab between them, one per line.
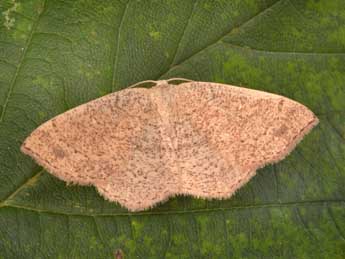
140	146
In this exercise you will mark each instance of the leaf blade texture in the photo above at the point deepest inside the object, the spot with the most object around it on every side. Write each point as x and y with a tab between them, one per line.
56	55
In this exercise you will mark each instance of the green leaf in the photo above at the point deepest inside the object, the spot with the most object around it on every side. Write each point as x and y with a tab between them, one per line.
55	55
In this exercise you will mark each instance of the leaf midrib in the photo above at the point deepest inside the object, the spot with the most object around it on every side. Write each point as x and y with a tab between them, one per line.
187	211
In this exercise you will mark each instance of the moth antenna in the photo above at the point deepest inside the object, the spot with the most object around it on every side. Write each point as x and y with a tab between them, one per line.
155	82
142	82
179	79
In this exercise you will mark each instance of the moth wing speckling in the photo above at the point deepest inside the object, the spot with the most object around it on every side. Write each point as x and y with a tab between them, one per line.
114	142
226	133
140	146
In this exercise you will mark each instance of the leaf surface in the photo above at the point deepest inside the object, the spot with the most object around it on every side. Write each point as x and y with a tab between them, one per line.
55	55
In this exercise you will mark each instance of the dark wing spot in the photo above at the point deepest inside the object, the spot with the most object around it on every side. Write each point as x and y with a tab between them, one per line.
281	131
58	152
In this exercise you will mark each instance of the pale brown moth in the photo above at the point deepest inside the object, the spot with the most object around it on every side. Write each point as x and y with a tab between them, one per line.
140	146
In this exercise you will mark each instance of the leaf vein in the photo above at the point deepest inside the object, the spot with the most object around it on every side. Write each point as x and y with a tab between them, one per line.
99	232
305	226
219	39
9	197
118	46
183	34
14	79
330	213
281	52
